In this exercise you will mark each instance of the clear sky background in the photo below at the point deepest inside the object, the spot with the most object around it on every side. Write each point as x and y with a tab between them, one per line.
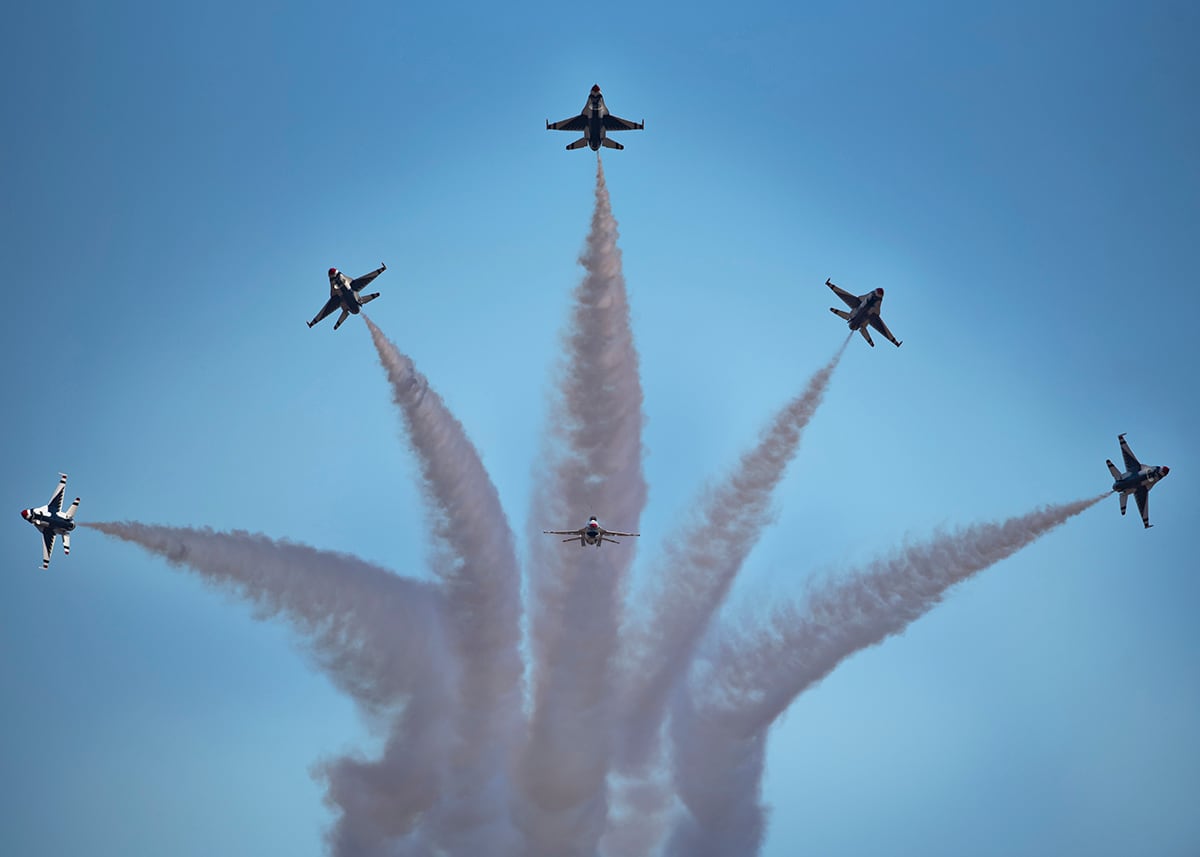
1022	178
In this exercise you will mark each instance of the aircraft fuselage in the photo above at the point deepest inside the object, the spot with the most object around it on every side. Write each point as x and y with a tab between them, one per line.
349	298
1144	478
57	524
870	306
595	113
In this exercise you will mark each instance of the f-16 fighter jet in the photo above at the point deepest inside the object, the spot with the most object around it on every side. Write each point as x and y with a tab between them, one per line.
864	310
592	534
53	522
1137	480
344	293
595	122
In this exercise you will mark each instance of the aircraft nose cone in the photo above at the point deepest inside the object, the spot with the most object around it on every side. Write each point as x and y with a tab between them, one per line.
25	514
1166	470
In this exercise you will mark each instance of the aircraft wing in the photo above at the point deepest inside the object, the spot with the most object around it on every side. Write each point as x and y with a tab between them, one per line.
358	282
575	123
605	532
48	537
1132	465
1142	495
850	300
877	323
330	305
578	532
57	497
616	123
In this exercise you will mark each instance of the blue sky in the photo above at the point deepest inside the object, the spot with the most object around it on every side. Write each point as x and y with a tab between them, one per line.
1022	178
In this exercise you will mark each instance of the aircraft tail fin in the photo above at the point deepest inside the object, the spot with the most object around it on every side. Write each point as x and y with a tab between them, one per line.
70	513
66	544
840	313
866	336
610	143
345	314
578	144
1112	468
368	299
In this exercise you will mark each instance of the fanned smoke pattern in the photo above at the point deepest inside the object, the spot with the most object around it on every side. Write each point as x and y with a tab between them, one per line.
378	636
464	768
477	563
754	676
594	455
695	574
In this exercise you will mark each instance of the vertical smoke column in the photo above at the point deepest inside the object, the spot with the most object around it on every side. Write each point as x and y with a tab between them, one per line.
477	563
594	466
694	578
718	738
378	636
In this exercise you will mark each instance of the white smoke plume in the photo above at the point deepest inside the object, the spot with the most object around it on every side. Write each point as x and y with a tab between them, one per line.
378	636
475	558
755	675
594	466
695	574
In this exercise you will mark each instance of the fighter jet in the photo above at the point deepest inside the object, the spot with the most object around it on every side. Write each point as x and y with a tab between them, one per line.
592	534
53	522
595	122
864	310
1137	480
344	293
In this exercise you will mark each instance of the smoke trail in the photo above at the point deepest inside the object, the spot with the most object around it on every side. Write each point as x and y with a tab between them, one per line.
696	573
477	562
756	675
594	466
378	636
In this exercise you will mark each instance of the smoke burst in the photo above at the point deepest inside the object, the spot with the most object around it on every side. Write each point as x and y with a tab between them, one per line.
379	637
465	769
476	561
755	675
695	574
594	455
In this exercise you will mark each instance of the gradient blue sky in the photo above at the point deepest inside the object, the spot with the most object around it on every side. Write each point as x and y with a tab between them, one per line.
1023	178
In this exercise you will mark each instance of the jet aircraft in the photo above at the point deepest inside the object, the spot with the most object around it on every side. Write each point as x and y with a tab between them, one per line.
53	522
344	293
864	310
592	534
595	122
1137	480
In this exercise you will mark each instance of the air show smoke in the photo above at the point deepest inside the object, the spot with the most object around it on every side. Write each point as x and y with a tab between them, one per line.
471	764
696	573
594	455
477	563
755	675
379	637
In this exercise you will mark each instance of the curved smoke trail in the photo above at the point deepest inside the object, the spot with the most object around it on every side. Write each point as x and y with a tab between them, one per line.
695	574
595	467
378	636
478	566
754	677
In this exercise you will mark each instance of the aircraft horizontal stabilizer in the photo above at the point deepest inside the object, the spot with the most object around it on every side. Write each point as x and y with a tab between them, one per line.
70	513
578	144
866	336
841	313
1112	468
610	143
